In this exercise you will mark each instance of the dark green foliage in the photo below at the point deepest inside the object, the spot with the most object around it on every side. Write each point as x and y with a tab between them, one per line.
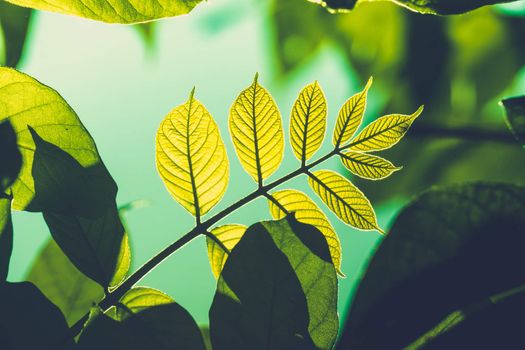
277	290
29	321
515	108
6	236
9	156
14	23
163	327
455	250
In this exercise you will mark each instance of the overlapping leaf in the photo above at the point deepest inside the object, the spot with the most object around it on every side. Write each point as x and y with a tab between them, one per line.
350	116
344	199
515	113
114	11
384	132
63	284
10	157
229	235
257	132
368	166
306	211
308	122
145	318
14	23
6	236
191	158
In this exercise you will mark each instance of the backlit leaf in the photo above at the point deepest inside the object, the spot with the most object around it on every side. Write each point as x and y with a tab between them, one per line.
114	11
308	122
14	23
384	132
367	166
344	199
257	132
307	212
62	283
278	290
29	321
350	116
147	319
435	7
515	112
10	157
191	158
229	235
6	236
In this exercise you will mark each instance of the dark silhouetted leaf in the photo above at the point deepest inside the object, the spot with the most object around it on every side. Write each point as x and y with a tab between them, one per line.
148	319
29	321
14	22
436	7
10	158
515	108
6	236
277	290
62	283
452	257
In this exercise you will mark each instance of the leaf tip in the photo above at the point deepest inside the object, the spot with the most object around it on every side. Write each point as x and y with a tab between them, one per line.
256	78
192	93
418	112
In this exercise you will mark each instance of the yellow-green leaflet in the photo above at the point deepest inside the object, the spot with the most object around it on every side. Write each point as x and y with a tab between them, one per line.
350	116
113	11
368	166
307	212
257	132
344	199
384	132
191	158
308	122
229	235
140	298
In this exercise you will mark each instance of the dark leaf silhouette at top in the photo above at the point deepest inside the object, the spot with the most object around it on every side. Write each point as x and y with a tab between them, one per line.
277	290
436	7
29	321
10	157
451	258
90	231
515	108
14	22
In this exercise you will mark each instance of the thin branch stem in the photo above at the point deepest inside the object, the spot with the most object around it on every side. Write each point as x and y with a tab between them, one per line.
216	240
113	297
276	202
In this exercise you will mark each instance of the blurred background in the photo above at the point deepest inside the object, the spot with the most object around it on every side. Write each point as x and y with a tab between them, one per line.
123	80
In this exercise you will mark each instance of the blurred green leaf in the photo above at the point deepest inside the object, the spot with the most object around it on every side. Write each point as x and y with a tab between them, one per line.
515	113
277	290
14	23
453	252
6	236
62	283
29	321
10	157
148	319
114	11
435	7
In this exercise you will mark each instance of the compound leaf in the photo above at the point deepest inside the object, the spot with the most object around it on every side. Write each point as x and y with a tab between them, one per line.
257	132
515	112
367	166
384	132
308	122
350	116
113	11
278	290
145	319
6	236
229	235
191	157
344	199
63	284
307	212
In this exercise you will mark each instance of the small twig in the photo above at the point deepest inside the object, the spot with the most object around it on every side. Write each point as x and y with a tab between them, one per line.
463	133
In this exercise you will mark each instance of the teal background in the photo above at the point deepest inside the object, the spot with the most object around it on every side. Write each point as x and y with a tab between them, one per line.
121	91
